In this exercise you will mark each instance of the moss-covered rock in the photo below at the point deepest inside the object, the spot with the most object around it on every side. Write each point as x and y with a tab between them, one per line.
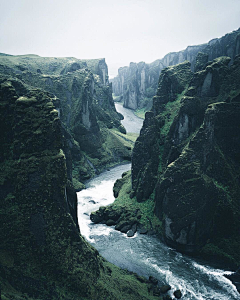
187	156
148	148
42	253
138	83
84	103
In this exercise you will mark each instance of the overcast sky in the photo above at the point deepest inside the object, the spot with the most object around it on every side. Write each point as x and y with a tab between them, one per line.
122	31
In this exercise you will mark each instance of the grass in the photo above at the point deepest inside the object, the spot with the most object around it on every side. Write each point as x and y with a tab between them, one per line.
146	208
123	285
141	112
170	111
127	139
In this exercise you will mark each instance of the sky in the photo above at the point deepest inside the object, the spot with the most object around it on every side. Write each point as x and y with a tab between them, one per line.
121	31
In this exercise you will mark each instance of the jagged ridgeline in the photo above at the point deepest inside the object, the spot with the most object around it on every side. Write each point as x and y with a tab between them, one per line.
42	253
83	98
137	84
187	158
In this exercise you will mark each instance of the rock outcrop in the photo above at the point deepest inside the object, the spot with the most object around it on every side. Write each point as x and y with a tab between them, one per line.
42	253
137	84
83	99
186	157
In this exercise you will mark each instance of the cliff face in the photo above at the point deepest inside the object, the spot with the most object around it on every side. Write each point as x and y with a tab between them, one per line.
84	104
187	158
37	232
42	253
137	84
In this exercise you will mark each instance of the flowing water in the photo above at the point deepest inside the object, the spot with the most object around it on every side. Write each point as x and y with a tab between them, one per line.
146	255
131	122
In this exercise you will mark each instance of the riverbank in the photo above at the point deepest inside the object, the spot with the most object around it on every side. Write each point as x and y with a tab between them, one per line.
145	254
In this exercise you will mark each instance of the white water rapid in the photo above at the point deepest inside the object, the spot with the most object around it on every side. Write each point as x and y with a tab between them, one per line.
146	255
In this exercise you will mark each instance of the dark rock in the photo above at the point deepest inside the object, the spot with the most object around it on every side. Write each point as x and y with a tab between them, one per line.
153	280
143	230
125	228
97	216
151	232
114	214
177	294
130	233
134	228
235	278
110	222
156	291
122	224
166	297
92	201
37	227
165	288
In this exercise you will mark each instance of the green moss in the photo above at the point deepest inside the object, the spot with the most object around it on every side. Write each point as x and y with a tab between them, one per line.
223	250
170	111
140	112
78	186
122	285
146	208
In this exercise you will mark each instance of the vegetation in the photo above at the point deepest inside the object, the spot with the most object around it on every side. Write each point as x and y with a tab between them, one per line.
183	160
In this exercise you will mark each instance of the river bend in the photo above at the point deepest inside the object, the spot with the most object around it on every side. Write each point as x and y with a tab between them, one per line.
146	255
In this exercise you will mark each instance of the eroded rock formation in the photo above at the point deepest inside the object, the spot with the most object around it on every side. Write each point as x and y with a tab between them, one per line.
137	84
187	158
83	99
42	253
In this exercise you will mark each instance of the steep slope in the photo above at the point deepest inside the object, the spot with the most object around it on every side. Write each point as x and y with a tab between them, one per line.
187	159
85	106
137	84
42	254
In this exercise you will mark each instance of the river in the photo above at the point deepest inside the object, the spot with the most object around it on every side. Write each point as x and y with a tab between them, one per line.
146	255
131	122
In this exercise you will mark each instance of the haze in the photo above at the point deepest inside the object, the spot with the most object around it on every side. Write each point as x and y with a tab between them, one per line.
121	31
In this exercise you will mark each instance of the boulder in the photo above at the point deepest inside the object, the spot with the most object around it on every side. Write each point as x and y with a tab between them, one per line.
110	222
125	228
96	217
92	201
177	294
130	233
143	230
165	288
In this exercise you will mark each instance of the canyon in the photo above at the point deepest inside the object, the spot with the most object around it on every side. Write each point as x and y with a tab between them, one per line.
136	84
60	128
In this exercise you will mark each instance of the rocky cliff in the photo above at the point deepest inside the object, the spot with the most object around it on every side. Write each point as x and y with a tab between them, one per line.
84	104
42	253
187	159
137	84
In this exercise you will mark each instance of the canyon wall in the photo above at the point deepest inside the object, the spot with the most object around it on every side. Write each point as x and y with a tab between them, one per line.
42	252
137	84
83	99
187	159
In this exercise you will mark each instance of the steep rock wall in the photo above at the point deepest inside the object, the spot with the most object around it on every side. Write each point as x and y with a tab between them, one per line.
42	253
137	84
37	232
85	106
186	157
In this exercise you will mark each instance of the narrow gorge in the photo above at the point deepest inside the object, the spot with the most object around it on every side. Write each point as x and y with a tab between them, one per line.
163	191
